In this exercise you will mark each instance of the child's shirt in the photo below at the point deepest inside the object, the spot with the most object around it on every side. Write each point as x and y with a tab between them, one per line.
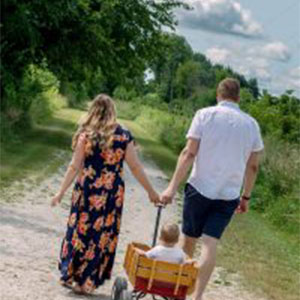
167	254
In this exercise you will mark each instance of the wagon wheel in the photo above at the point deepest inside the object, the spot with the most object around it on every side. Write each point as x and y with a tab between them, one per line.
126	295
120	285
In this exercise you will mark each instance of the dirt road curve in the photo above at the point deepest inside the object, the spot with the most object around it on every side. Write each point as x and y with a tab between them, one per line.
31	233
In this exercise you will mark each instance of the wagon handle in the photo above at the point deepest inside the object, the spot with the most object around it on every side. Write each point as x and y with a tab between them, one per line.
160	207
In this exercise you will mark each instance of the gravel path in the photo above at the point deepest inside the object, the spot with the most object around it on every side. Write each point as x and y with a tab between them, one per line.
31	233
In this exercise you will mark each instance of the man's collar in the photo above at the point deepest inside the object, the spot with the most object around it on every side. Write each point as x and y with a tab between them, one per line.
228	103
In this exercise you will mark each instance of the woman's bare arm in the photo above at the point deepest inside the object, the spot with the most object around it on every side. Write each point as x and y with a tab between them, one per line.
138	171
74	167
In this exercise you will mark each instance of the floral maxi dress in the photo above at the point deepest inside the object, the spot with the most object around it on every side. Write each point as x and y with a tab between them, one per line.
89	247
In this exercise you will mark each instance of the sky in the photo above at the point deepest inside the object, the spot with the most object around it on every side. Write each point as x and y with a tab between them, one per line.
257	38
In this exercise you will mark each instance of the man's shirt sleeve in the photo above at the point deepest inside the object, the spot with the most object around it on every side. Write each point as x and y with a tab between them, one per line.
196	128
258	144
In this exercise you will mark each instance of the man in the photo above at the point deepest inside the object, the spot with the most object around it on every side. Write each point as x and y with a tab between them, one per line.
224	145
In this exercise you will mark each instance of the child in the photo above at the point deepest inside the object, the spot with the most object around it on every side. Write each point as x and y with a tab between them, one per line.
167	250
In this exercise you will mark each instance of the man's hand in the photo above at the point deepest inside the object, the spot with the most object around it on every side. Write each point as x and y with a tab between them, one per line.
167	196
243	207
56	199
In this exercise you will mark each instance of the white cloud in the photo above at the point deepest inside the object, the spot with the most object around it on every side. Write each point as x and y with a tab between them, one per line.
252	63
293	78
276	51
287	80
223	16
240	60
218	55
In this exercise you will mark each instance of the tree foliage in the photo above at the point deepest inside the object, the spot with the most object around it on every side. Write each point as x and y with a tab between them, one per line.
77	38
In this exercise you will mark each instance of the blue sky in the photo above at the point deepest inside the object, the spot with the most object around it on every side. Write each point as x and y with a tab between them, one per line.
258	38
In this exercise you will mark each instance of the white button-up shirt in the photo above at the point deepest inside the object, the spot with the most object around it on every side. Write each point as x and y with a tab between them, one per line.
227	138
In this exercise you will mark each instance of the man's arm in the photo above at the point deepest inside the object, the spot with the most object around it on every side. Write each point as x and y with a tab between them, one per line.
185	160
251	172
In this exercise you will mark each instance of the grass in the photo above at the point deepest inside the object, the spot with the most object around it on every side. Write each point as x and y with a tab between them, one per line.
267	259
163	156
35	152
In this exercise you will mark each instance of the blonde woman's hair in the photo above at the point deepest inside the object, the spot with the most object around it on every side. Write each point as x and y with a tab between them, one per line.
99	123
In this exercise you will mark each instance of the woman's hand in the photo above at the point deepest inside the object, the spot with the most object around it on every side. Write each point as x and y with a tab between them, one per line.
56	199
154	197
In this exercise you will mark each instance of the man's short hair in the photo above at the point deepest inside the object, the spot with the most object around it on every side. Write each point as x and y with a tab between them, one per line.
169	233
229	88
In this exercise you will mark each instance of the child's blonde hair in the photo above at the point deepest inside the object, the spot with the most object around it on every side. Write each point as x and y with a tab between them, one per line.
169	233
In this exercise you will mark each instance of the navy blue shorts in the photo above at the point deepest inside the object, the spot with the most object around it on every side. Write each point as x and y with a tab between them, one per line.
205	216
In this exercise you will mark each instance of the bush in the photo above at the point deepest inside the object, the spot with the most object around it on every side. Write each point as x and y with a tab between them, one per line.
277	191
123	94
128	110
28	101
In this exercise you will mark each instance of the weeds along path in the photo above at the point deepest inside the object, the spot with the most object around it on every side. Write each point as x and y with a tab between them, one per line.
31	233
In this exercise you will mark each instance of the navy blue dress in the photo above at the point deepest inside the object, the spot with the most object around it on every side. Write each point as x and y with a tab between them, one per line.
89	247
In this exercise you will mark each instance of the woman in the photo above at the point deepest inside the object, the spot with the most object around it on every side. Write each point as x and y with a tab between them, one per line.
100	147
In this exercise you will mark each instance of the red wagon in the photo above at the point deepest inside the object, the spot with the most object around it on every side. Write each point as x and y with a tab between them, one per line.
157	278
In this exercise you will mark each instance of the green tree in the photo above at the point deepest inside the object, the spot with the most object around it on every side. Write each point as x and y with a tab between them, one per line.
176	51
119	37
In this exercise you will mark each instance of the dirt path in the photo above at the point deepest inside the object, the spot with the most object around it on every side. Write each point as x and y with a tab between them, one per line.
31	233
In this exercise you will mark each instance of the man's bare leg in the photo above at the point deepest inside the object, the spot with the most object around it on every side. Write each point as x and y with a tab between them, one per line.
207	264
189	245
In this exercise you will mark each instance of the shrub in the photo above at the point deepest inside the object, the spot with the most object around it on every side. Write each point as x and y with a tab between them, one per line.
29	101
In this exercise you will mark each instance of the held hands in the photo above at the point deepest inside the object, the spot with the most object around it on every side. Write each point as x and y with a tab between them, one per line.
154	197
56	199
167	196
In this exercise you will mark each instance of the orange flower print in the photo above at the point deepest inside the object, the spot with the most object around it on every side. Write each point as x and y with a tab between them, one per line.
77	243
105	263
72	220
88	285
113	245
120	196
119	154
98	224
121	138
112	157
109	179
103	241
70	270
82	268
108	156
97	202
118	224
65	249
86	173
90	253
106	180
110	220
88	149
82	226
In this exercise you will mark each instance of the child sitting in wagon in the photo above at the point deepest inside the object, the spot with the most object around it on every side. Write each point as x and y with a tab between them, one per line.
167	250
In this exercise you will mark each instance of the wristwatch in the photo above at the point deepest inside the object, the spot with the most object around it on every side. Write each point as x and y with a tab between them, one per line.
246	198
